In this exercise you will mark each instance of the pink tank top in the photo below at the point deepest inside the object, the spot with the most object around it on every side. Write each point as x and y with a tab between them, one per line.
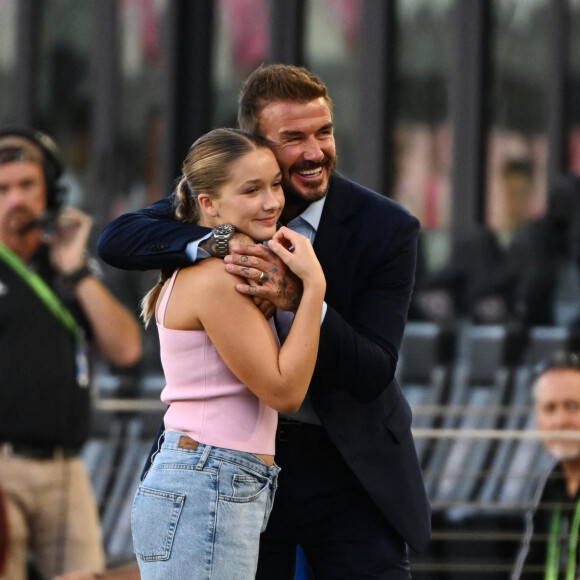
206	400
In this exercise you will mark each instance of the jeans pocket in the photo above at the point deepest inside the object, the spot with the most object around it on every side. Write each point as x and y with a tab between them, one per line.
247	487
154	519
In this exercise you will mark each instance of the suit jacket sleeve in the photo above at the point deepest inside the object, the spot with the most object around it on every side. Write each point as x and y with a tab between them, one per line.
361	335
148	239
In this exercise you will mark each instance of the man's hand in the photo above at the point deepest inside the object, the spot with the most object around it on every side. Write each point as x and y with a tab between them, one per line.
268	277
265	306
68	242
240	239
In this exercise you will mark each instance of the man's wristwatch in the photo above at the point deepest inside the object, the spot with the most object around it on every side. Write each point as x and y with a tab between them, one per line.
222	234
80	274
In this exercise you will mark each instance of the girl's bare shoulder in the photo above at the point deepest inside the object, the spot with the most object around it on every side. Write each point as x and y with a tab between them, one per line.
201	290
209	275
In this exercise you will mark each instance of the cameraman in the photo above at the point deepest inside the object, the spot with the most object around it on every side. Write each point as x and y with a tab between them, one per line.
52	308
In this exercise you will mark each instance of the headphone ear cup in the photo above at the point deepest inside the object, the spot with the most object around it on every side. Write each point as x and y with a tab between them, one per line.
56	195
54	191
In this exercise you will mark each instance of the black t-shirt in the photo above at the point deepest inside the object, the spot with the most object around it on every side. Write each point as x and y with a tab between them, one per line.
41	402
553	496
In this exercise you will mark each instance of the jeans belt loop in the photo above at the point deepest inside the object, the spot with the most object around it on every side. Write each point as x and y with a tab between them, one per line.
201	463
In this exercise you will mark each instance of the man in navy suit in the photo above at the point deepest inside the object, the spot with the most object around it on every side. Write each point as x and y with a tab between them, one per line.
351	491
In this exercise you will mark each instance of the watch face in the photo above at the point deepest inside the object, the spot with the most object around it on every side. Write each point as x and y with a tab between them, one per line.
224	229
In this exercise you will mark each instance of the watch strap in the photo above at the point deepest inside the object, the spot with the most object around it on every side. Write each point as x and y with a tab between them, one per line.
221	243
75	277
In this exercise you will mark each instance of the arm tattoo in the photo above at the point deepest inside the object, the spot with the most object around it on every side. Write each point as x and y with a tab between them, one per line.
294	299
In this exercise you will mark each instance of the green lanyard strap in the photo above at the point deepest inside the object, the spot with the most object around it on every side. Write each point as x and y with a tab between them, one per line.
553	554
42	290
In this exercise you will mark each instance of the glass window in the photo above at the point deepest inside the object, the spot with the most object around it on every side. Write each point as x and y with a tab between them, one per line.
574	89
517	146
242	42
65	106
423	141
333	57
141	64
7	57
63	99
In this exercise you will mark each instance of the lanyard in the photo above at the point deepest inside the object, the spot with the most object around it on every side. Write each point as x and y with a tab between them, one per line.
42	290
553	555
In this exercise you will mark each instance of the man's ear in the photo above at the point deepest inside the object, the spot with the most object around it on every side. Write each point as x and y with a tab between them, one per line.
206	203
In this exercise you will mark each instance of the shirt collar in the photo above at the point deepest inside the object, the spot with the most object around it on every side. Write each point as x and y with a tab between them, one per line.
312	214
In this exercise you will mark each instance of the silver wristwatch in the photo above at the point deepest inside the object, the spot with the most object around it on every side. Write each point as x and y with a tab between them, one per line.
222	234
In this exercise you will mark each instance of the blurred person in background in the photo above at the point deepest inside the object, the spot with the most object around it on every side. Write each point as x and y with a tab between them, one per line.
516	185
529	276
541	274
455	291
550	544
465	287
53	310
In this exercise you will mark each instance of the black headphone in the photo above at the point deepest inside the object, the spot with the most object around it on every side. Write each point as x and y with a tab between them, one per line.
52	163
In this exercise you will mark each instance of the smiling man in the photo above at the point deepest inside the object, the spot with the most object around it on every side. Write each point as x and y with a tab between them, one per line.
350	491
550	546
301	134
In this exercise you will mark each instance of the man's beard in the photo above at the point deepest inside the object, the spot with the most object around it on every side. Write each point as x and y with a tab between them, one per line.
14	222
296	197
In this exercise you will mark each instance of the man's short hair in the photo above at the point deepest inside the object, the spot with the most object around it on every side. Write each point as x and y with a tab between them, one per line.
277	82
561	359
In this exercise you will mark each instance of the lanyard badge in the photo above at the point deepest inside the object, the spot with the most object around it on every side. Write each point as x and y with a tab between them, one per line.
82	361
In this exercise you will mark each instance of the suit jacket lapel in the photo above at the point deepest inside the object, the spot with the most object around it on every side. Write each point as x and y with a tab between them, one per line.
332	237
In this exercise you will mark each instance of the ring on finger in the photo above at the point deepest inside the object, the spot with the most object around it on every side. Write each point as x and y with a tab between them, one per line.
263	278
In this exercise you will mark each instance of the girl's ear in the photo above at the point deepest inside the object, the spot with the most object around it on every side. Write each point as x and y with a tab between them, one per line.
206	203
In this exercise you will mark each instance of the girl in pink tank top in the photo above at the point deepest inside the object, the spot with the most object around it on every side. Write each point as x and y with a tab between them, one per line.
201	507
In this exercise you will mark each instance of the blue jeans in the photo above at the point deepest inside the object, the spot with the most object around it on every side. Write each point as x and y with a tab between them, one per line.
199	514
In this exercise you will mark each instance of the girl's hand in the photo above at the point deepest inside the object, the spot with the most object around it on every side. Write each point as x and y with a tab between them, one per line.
298	254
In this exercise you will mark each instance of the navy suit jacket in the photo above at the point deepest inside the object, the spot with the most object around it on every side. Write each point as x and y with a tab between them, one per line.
366	244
